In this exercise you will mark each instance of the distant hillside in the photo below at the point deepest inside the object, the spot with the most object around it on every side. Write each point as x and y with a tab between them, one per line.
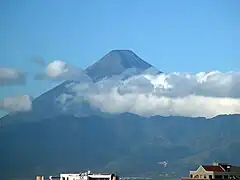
126	143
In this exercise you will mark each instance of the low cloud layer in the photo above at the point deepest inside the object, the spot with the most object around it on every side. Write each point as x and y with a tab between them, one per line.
11	76
203	94
60	71
20	103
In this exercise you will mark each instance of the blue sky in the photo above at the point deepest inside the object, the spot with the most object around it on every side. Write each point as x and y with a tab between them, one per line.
172	35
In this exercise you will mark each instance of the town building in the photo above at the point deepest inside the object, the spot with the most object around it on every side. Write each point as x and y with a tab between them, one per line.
215	171
81	176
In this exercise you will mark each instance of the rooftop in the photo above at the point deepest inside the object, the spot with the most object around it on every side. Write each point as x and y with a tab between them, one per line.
213	168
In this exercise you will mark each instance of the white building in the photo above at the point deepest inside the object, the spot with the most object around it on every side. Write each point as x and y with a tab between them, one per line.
84	176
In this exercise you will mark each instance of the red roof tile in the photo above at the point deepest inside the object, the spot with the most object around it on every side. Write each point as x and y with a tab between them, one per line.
213	168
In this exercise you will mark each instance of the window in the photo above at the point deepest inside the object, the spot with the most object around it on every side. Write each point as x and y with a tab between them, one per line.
196	176
218	177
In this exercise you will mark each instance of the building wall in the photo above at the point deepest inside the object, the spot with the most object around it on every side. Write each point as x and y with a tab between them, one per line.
200	173
70	177
39	177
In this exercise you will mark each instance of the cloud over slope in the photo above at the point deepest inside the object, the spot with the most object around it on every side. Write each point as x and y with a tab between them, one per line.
20	103
202	94
60	70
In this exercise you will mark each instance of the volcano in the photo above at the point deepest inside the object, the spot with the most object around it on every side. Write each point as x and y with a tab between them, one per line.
118	64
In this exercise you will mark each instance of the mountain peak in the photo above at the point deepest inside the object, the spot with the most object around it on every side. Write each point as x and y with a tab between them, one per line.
116	62
127	58
121	51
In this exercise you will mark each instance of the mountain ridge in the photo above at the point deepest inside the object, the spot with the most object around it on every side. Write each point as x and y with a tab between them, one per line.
126	143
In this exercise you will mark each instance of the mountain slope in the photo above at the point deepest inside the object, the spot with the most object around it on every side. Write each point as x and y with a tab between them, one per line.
118	64
126	143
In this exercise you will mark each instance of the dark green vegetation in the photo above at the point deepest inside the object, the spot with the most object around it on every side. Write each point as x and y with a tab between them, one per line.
126	143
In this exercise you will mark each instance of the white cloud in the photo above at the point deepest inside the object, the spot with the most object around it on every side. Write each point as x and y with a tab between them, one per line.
18	103
11	76
63	98
202	94
57	69
60	70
